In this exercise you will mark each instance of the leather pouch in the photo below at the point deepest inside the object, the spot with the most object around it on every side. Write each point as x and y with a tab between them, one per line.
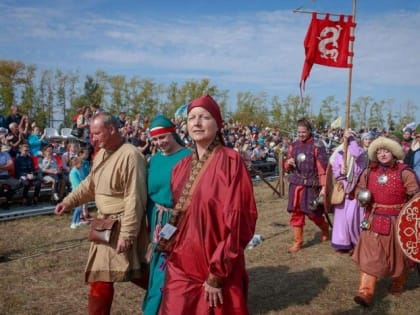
101	230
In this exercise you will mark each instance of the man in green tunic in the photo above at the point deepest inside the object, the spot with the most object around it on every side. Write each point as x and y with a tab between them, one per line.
117	183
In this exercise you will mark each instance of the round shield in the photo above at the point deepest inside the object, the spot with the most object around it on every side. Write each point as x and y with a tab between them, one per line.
408	229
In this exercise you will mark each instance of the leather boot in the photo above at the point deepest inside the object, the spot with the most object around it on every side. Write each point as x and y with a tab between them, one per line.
297	239
366	289
397	285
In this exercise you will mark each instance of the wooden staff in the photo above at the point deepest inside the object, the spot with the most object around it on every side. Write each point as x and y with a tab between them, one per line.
348	100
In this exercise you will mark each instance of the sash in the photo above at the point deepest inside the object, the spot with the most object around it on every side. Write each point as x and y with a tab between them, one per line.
197	170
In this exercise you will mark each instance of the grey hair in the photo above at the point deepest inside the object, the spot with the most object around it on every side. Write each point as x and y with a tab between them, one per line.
107	119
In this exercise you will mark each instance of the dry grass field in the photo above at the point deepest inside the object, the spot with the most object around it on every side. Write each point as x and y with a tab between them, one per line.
42	271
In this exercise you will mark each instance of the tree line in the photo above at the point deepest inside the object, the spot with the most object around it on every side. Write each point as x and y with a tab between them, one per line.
52	98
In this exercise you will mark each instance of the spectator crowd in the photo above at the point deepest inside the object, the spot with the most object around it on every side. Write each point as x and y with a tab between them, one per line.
32	159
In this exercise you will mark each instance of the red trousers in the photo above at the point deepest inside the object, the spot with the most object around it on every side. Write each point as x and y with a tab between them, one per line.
297	219
101	295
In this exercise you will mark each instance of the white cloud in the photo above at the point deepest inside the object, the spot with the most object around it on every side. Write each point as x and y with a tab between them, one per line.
260	51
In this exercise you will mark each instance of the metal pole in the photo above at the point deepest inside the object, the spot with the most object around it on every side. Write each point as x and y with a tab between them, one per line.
322	13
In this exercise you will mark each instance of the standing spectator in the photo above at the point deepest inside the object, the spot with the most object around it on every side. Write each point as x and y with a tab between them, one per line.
15	116
306	162
85	169
117	183
25	172
215	216
121	119
95	108
137	122
76	176
24	126
407	140
3	122
144	144
347	215
83	123
378	253
160	201
413	155
71	150
367	138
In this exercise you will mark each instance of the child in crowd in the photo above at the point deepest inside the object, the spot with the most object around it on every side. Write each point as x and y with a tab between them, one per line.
85	170
51	172
76	176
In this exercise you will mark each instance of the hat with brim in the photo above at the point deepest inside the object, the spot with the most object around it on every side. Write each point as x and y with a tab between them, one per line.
385	143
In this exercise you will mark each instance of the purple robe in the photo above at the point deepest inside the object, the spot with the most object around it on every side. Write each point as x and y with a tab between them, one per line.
348	215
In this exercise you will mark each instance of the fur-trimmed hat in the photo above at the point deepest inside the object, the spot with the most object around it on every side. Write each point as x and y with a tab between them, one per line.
385	143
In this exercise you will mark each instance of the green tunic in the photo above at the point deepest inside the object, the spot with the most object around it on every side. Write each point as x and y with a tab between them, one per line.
159	196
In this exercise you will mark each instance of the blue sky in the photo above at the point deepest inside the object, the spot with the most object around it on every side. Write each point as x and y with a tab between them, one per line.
240	45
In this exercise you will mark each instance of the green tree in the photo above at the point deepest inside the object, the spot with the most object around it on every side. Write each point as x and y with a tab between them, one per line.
28	94
329	109
251	108
12	74
360	111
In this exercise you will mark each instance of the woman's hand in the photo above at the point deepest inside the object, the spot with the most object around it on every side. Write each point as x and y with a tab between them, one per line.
212	295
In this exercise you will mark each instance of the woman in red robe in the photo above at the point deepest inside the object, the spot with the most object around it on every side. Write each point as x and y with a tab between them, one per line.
215	217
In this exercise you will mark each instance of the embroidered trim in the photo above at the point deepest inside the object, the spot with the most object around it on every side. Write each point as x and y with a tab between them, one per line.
183	201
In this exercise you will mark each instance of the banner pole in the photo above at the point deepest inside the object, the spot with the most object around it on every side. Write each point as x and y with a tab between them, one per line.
350	76
348	100
321	13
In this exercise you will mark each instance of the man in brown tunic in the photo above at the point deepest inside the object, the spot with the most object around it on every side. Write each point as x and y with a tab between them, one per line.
117	183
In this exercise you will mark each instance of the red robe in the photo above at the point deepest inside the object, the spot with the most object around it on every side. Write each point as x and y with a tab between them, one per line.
212	236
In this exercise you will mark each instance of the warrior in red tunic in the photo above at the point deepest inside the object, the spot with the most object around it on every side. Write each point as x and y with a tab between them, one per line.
390	183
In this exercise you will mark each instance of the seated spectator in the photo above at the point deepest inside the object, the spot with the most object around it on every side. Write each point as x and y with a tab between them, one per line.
36	141
3	135
258	153
14	139
8	184
51	172
25	172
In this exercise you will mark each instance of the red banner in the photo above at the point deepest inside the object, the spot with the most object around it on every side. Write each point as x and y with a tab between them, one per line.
328	43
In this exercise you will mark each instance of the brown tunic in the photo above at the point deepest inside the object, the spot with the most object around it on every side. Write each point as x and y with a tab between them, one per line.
118	186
